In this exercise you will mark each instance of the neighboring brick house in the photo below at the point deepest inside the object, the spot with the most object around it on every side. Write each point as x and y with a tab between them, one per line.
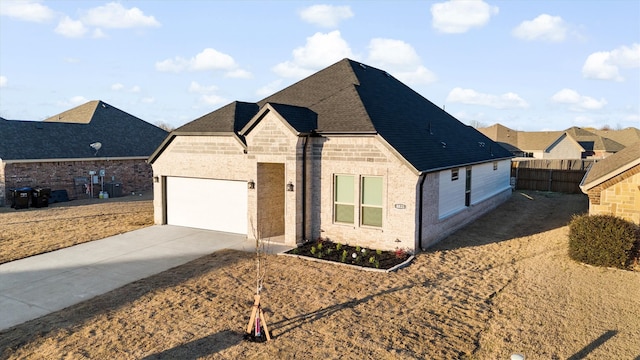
56	153
572	143
613	185
349	153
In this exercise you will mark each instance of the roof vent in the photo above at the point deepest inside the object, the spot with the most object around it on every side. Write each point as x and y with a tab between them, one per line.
387	74
481	144
444	144
363	66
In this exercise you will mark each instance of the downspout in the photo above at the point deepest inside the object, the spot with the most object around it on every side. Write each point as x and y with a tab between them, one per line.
304	188
420	206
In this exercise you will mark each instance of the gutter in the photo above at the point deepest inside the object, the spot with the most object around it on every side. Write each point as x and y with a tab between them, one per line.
304	188
19	161
423	176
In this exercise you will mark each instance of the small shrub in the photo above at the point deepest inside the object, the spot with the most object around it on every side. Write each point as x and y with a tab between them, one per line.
379	252
602	240
313	250
358	249
319	245
343	258
338	246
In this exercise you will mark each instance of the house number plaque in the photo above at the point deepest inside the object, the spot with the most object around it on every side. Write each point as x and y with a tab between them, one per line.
401	206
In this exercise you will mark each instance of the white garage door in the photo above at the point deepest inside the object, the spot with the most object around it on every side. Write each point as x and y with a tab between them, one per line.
207	204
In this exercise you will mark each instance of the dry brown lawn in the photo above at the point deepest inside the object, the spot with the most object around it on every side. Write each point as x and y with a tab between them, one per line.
499	286
33	231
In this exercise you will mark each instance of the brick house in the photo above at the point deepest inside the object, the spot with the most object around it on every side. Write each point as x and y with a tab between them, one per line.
613	185
56	153
348	153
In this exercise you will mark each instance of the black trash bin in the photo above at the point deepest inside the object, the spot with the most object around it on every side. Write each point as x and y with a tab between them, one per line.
21	198
40	197
114	189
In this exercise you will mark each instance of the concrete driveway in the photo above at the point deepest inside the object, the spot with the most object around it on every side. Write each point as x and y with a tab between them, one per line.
39	285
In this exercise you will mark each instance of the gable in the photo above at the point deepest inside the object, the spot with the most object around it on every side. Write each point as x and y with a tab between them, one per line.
270	136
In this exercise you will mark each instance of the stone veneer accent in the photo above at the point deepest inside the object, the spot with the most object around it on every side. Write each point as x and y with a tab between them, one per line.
134	174
619	196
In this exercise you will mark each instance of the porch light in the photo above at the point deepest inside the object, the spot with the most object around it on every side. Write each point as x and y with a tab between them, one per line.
290	186
156	179
251	184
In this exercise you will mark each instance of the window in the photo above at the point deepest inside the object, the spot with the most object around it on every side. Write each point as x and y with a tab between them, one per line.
454	174
371	201
344	195
495	165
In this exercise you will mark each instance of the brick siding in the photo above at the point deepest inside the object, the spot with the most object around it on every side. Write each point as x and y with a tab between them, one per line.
619	196
135	175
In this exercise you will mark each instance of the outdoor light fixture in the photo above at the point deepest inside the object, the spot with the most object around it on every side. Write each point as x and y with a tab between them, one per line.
290	186
156	179
251	184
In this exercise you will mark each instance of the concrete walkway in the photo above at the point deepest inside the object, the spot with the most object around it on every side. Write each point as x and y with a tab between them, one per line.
39	285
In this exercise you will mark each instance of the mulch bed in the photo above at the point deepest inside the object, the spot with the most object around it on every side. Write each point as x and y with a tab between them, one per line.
351	255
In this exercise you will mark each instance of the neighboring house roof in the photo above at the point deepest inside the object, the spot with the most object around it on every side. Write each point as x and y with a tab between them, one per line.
611	166
352	98
537	140
610	141
625	137
119	133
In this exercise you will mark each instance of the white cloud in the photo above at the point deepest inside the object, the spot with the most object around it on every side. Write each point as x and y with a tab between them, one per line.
270	88
213	99
605	65
73	101
326	15
545	27
400	59
115	16
26	10
194	87
148	100
3	81
120	87
320	51
208	59
576	101
461	15
207	93
239	74
469	96
71	28
98	34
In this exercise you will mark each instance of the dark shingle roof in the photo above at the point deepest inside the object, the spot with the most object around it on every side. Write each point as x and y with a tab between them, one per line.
228	119
349	97
121	135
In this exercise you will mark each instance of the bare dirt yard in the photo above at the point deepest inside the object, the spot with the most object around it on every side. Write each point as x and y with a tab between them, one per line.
502	285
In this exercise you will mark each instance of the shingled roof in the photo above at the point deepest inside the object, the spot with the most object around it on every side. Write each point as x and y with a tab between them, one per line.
120	134
352	98
611	166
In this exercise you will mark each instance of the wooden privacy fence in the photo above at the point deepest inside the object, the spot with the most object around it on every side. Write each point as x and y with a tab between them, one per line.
549	175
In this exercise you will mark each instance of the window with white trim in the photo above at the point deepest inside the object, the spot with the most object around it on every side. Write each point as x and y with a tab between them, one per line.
454	174
344	199
371	201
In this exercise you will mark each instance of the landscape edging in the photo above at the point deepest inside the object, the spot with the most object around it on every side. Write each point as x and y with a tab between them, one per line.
394	268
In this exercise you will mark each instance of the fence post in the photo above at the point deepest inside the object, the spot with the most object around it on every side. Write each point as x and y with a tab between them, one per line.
550	178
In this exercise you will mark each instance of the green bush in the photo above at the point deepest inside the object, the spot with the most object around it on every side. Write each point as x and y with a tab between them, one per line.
602	240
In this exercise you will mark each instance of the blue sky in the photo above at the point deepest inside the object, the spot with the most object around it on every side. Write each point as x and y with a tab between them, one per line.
529	65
